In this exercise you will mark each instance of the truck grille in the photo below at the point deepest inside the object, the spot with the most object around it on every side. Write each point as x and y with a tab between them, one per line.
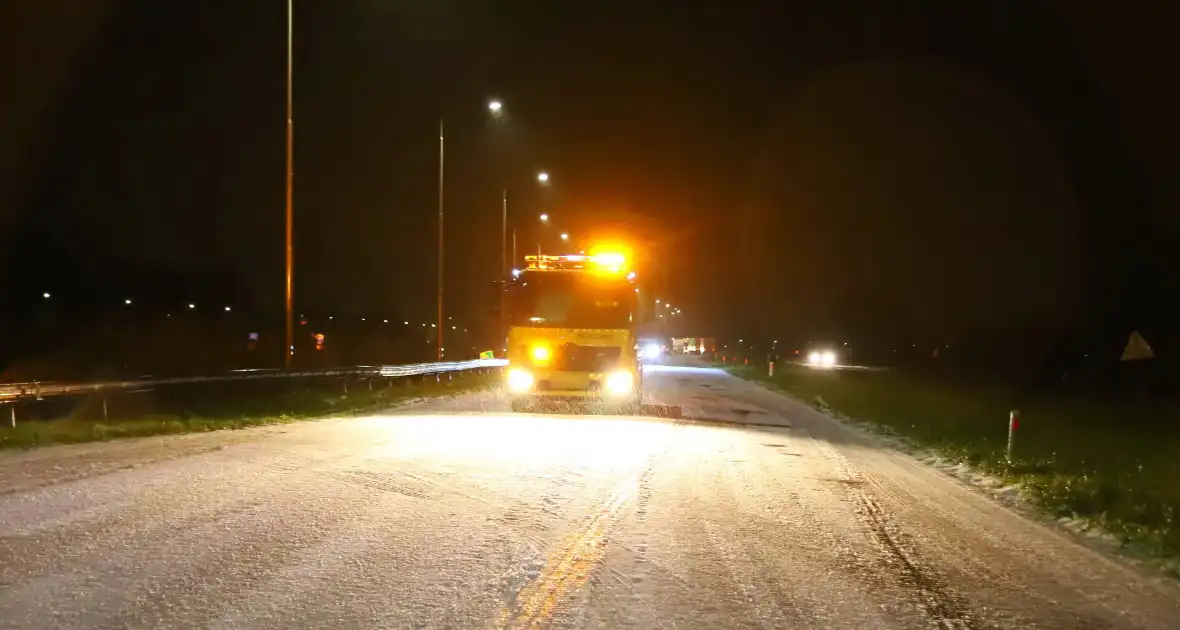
575	358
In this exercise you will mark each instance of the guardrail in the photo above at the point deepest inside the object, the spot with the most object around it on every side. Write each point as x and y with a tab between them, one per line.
35	390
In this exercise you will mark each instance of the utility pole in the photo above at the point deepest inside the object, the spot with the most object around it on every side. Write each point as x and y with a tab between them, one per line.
503	263
290	303
439	347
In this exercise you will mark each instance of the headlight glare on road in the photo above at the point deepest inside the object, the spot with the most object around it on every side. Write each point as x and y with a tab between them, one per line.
828	359
619	383
651	351
519	381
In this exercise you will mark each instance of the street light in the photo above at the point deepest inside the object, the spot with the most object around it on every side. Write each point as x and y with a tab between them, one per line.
441	147
46	295
565	236
495	106
543	177
290	303
544	218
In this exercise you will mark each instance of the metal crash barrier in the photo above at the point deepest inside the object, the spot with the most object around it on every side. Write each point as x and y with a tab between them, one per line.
36	390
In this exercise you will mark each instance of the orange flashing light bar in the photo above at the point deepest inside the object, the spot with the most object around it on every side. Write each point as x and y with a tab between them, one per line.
556	263
611	263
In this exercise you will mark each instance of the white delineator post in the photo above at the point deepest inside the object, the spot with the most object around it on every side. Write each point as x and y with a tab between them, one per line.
1013	424
771	369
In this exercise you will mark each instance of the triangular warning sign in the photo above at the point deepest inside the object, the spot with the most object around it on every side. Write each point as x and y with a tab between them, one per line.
1137	348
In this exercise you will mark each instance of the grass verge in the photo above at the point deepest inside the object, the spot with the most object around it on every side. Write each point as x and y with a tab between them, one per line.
1114	465
188	410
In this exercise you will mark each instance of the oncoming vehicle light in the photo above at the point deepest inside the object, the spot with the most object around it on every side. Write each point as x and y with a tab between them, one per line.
826	358
519	381
651	351
619	382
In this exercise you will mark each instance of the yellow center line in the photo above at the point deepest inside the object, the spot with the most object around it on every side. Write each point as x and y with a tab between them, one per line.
568	567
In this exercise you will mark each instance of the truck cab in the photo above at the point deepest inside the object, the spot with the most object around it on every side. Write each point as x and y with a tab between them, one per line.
572	333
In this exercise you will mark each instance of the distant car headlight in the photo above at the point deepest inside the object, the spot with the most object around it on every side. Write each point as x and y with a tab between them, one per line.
620	382
651	351
827	358
519	381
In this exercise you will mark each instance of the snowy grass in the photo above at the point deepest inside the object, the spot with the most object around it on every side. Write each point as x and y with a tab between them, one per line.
1103	468
171	412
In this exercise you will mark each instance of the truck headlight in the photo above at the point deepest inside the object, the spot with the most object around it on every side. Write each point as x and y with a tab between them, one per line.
620	382
519	381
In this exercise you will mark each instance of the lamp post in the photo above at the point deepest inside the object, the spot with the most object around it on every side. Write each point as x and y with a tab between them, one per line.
497	111
290	324
441	150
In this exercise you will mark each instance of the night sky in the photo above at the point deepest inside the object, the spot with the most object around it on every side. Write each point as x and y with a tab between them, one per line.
798	168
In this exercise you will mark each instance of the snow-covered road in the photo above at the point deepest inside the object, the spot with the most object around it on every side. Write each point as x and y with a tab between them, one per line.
458	514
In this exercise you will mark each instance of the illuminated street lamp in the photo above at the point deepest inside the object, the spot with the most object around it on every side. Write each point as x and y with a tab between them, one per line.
495	106
565	236
46	295
544	218
543	177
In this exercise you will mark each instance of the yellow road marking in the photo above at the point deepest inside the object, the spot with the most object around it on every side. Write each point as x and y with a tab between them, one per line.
568	567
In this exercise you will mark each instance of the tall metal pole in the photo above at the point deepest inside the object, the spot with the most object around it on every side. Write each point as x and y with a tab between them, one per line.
290	188
503	262
439	347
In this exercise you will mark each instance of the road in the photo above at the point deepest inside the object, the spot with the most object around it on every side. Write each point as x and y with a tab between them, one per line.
754	512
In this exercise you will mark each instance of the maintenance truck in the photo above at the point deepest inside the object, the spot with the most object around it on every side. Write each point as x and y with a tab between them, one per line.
572	323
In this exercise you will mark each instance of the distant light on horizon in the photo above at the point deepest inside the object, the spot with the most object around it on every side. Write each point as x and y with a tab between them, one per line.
127	301
192	306
46	295
227	309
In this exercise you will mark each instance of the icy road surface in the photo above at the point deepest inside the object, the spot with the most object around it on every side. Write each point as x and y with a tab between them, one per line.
457	514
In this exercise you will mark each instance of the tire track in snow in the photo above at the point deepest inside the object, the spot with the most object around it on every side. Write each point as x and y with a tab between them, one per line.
930	592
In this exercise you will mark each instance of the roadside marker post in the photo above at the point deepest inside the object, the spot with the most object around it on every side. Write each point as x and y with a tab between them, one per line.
771	369
1013	424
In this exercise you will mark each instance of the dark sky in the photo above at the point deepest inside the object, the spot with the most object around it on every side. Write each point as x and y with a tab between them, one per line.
916	167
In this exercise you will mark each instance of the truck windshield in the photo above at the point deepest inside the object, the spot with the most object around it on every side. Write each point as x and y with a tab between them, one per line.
570	300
